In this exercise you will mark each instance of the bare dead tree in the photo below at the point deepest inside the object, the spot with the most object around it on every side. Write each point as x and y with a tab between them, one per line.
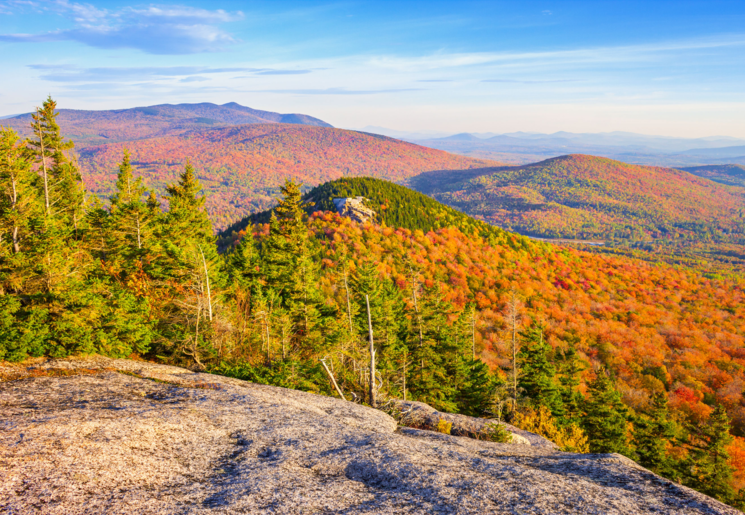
372	354
333	380
512	318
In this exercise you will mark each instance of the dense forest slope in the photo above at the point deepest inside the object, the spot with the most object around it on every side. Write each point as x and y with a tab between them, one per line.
584	197
87	128
241	167
395	206
731	174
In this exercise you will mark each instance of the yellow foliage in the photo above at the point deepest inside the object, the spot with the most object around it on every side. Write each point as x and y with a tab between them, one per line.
569	439
443	426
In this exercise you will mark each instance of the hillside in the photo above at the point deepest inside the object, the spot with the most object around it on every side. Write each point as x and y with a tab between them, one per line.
395	205
586	197
731	174
241	167
88	128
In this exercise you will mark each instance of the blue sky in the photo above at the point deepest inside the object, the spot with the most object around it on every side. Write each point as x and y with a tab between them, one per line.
654	67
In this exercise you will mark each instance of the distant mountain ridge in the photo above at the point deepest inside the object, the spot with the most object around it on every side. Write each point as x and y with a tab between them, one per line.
521	147
90	128
731	174
588	197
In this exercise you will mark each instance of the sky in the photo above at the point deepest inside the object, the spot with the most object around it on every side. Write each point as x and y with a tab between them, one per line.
653	67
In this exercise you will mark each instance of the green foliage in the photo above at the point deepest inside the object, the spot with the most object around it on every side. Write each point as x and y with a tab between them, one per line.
605	421
538	373
396	206
653	435
708	467
495	432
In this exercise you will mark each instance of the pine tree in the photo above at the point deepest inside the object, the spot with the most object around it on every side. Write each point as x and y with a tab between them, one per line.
605	420
187	265
538	374
652	435
19	202
132	222
709	470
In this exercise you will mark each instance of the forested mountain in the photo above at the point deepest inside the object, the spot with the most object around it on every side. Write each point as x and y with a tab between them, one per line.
89	128
242	167
395	205
590	197
602	353
731	174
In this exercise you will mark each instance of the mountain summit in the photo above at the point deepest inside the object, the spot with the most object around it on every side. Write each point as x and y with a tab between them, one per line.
89	128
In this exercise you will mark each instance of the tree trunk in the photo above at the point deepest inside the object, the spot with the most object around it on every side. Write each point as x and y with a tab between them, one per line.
207	279
43	162
372	354
333	381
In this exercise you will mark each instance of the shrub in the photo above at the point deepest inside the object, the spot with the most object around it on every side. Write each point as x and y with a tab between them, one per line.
495	432
443	426
569	438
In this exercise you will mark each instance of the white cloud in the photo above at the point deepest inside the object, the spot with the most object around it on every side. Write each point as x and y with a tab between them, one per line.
155	29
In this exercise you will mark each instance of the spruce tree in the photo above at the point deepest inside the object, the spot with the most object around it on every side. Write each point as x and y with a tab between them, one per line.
187	265
652	435
569	368
19	201
538	374
132	222
605	420
433	358
708	466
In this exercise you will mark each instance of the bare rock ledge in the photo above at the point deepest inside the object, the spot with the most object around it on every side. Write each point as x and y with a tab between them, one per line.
97	435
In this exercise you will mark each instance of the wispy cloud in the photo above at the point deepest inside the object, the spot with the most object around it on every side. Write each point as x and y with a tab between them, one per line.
283	72
156	30
588	56
515	81
69	73
335	91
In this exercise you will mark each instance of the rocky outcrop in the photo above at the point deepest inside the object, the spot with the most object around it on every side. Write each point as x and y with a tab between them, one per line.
355	209
423	416
114	436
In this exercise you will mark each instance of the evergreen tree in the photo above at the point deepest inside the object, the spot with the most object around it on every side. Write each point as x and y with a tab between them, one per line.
188	267
569	368
538	374
430	379
475	393
132	221
652	435
19	202
709	470
605	420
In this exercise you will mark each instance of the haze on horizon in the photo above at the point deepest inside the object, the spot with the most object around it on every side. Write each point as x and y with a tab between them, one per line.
663	68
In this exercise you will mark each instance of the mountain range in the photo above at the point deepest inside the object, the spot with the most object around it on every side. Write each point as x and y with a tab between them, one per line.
241	167
522	147
588	197
90	128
